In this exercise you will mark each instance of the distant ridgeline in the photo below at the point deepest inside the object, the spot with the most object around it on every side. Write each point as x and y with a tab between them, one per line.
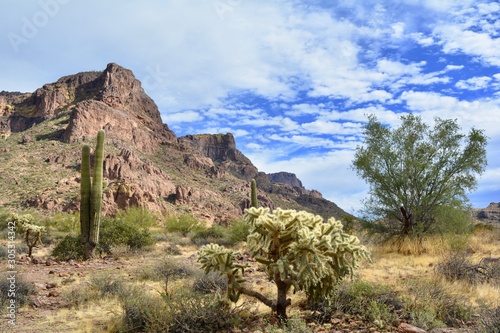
145	163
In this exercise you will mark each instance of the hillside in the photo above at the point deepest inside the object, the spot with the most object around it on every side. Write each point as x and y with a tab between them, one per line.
146	164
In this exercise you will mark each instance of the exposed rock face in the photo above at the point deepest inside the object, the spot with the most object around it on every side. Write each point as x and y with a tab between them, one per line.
112	99
221	148
490	214
285	178
146	165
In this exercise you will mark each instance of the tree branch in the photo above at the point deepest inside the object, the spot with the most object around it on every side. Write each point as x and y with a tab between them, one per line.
259	296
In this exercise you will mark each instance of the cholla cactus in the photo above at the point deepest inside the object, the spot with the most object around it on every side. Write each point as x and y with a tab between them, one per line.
32	233
297	249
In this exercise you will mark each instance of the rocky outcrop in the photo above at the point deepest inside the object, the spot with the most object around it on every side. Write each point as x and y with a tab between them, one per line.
285	178
112	99
221	148
489	215
146	164
133	182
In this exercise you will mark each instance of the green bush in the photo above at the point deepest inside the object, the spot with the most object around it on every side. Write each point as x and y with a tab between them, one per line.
137	216
70	247
117	231
183	224
214	234
64	222
238	231
374	302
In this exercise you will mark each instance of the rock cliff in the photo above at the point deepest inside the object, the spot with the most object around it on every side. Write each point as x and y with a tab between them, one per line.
145	163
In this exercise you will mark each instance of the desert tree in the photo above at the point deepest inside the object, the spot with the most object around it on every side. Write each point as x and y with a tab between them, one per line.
415	171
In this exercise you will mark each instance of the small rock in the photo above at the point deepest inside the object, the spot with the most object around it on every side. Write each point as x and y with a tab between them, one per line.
53	293
52	272
35	261
407	328
63	274
49	262
39	285
50	285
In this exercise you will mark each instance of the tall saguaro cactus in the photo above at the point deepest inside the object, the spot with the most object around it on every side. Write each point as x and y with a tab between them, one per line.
91	196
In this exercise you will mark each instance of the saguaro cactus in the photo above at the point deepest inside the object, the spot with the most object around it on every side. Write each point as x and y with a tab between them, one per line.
91	196
253	196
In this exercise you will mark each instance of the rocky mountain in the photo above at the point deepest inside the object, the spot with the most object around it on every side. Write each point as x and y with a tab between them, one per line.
489	215
146	164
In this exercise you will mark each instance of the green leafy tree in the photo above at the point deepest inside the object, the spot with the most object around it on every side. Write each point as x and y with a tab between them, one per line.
296	249
414	171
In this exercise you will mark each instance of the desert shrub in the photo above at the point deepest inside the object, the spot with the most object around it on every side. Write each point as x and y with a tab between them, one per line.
183	224
100	286
238	232
169	270
81	295
458	266
374	302
4	218
107	286
214	234
3	252
117	231
293	325
64	222
23	290
489	319
143	312
70	247
173	250
137	216
192	312
183	311
22	248
209	283
428	305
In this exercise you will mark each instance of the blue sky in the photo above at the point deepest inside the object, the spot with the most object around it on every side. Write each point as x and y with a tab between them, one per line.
292	80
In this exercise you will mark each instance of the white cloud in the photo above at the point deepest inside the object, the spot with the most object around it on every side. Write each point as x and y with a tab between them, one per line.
474	83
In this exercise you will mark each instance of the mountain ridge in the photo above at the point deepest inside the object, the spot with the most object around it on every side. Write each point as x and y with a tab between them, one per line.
146	164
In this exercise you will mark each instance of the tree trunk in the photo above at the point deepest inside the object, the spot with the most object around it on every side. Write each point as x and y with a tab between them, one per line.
282	302
407	222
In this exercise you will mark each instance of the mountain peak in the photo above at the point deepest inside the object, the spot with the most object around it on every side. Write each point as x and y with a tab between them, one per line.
145	164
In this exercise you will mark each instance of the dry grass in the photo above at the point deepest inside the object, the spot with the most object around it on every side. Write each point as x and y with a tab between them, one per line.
388	267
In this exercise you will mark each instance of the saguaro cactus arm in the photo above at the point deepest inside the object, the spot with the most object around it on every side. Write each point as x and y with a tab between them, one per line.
85	187
96	195
253	194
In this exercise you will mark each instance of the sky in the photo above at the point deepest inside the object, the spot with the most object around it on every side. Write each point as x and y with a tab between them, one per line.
294	81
